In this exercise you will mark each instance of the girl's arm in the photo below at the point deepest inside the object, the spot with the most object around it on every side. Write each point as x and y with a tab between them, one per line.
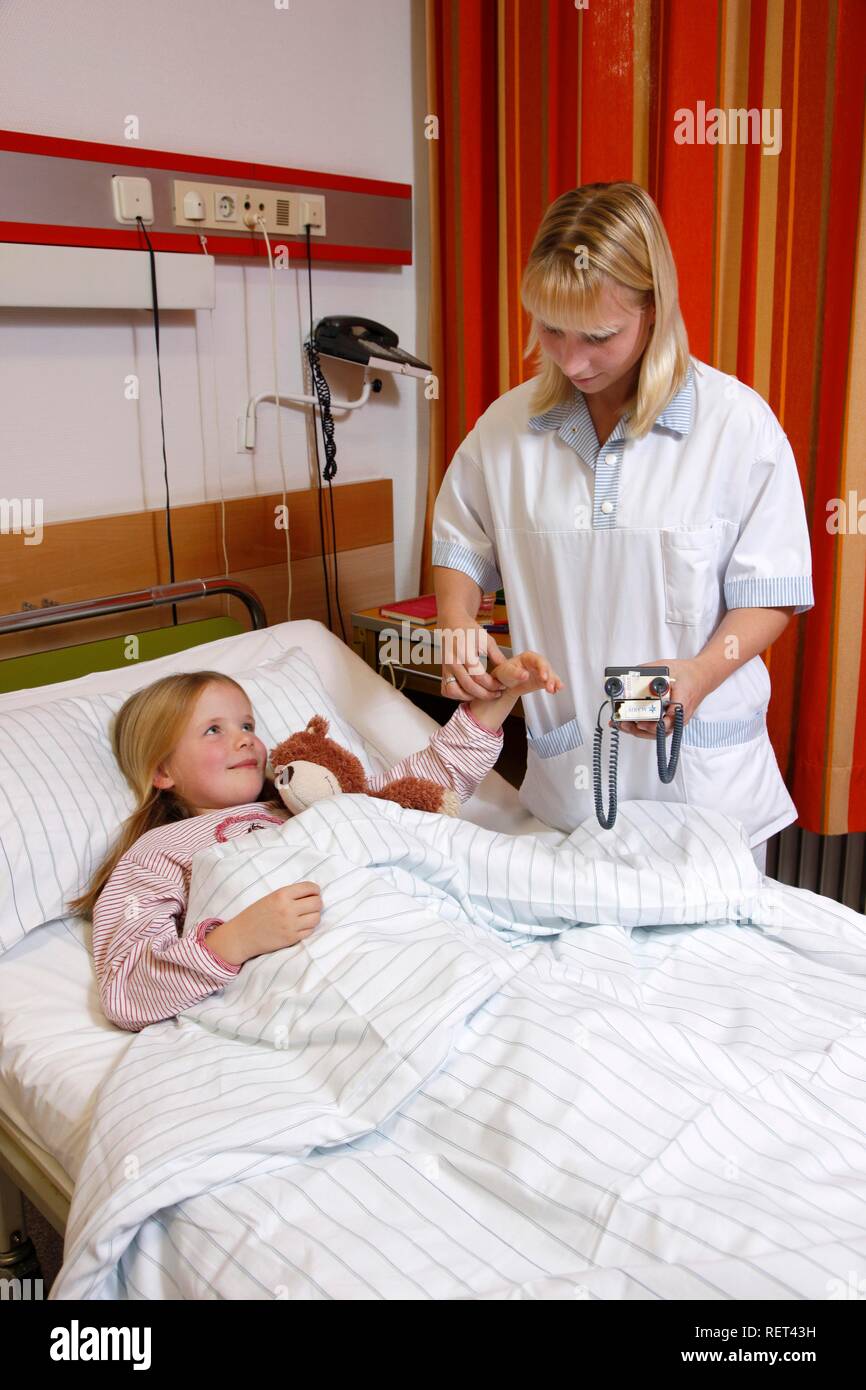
459	756
145	971
463	751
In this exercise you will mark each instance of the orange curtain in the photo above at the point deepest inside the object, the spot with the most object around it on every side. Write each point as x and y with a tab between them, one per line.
532	97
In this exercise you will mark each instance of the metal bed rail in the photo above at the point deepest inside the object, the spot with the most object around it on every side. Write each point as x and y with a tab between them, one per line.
133	601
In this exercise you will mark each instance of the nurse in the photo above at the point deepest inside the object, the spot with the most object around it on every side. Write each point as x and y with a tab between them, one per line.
638	506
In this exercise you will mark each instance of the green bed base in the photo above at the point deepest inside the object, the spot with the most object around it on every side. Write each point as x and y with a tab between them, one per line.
66	663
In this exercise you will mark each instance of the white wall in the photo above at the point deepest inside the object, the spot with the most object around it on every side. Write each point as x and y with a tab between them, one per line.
238	79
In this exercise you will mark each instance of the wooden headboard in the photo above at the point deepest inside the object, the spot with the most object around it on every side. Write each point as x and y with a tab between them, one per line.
114	554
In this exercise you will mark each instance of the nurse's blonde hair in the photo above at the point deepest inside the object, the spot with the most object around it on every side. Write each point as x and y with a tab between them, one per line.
626	246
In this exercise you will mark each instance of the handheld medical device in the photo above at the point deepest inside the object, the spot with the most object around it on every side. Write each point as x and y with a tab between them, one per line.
636	694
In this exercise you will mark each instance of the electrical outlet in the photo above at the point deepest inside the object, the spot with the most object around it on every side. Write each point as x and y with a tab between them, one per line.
253	206
194	206
312	212
132	198
238	208
226	207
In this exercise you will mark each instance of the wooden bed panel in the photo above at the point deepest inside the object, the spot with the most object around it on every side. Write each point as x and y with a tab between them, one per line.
107	555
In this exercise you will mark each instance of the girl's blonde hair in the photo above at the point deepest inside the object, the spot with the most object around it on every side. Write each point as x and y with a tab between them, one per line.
596	234
145	730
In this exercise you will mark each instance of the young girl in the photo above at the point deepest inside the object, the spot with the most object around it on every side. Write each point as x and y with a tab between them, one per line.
188	748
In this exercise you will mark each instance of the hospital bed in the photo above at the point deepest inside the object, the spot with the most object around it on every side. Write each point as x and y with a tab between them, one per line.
47	1086
668	1113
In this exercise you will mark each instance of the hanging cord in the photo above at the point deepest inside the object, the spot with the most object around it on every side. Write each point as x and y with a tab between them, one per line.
260	222
667	769
386	666
216	423
326	577
155	299
324	396
606	821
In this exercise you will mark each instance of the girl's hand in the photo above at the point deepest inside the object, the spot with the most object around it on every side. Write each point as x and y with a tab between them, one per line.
687	689
528	672
283	918
464	645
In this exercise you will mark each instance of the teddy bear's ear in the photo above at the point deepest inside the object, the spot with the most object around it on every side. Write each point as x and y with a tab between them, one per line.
318	725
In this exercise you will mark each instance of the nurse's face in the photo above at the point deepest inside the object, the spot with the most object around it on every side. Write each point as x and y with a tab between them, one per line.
608	351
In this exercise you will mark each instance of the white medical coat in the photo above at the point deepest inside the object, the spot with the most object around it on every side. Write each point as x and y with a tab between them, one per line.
631	552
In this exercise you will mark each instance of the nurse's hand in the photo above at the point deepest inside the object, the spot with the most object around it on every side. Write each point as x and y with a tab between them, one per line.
687	689
464	676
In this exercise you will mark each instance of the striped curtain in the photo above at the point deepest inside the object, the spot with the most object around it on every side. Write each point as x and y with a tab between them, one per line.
532	97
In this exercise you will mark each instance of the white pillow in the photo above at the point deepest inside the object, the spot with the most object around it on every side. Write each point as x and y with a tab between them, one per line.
63	797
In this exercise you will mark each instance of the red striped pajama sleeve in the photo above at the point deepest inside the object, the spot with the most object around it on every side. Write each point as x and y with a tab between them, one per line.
459	755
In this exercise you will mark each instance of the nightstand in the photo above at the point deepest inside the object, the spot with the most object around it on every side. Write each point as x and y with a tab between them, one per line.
375	639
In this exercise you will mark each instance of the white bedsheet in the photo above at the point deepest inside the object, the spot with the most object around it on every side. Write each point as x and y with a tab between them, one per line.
56	1047
415	1105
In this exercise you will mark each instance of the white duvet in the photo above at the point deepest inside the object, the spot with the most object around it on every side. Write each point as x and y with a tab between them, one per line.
614	1065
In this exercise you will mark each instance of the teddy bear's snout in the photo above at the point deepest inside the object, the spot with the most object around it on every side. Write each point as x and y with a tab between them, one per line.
300	783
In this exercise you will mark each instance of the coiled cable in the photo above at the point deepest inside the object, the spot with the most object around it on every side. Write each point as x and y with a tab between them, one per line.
605	819
667	768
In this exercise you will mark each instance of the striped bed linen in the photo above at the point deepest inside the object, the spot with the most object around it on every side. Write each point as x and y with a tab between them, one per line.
610	1065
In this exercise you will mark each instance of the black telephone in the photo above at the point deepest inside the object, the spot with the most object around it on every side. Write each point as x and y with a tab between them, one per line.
366	342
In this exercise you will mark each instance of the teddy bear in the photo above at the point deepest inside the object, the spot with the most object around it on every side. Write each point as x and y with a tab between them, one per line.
309	766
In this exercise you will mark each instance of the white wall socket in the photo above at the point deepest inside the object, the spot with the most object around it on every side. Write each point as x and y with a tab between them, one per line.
230	206
132	198
312	211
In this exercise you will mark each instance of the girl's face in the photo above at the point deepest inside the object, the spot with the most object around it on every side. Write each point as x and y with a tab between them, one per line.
596	359
218	761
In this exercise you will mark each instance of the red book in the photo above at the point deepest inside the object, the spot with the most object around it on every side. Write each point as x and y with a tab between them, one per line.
419	610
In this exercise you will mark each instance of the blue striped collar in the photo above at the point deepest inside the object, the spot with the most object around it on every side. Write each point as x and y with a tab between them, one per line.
574	423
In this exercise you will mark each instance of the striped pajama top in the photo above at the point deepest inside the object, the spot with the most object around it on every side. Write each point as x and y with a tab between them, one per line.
146	971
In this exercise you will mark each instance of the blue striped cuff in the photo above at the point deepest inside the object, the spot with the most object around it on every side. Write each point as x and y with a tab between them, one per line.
777	591
723	733
459	557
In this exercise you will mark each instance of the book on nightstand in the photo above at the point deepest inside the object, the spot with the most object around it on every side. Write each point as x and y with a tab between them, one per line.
422	611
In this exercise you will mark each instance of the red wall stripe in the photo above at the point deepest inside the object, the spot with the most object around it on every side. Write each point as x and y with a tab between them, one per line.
95	152
131	240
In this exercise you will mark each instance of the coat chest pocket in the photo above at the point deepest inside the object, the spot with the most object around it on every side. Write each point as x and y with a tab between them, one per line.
689	566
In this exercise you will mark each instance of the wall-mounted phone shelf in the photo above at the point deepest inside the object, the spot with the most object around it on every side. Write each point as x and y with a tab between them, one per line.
362	342
247	422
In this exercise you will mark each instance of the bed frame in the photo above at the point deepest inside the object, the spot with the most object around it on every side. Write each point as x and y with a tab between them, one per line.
26	1169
